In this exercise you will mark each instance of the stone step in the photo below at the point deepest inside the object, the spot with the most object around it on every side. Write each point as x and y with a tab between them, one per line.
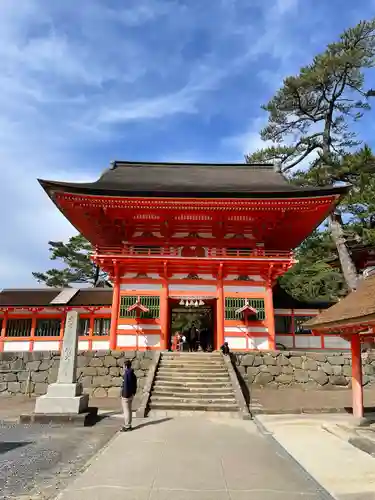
173	382
158	394
207	377
193	413
177	389
192	369
156	405
194	356
194	401
194	364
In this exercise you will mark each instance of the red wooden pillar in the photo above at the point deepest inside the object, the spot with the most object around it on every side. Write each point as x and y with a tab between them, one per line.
164	315
357	389
32	333
3	330
270	318
220	311
114	313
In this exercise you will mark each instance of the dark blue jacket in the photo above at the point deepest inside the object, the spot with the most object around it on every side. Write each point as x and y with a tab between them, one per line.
129	384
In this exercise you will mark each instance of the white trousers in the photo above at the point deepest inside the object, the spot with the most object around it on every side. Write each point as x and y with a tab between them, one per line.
127	409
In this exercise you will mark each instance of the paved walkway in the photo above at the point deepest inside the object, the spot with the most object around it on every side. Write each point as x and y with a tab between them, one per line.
193	459
343	470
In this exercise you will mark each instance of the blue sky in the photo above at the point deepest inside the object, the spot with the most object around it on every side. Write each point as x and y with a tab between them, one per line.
84	83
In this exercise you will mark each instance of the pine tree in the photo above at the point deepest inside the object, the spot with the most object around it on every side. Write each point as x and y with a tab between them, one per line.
79	268
309	117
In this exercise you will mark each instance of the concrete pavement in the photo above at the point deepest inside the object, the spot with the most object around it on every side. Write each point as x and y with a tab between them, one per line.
193	458
343	470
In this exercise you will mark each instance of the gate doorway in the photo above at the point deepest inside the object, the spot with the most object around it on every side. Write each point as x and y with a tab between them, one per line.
194	320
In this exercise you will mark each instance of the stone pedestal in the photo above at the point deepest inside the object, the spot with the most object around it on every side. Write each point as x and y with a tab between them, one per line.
62	398
65	396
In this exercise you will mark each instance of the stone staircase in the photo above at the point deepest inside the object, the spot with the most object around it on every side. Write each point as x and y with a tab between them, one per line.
187	382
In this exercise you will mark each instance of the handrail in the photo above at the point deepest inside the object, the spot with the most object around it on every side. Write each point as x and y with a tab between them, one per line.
160	251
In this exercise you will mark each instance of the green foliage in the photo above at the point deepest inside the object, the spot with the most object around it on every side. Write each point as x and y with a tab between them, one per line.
309	116
309	121
79	268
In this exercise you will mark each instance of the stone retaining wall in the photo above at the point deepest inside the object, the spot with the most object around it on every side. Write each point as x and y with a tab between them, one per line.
100	372
301	369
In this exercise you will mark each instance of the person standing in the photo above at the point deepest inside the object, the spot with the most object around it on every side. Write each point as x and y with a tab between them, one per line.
129	389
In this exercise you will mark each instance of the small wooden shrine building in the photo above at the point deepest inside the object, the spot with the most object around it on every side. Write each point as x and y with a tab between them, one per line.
190	237
353	318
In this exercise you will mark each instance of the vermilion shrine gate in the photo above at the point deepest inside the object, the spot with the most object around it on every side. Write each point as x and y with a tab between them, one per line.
171	235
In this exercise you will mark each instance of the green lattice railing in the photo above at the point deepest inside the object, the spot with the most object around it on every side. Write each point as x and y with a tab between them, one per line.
232	304
151	302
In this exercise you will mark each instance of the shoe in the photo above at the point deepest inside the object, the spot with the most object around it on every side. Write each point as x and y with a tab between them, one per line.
125	429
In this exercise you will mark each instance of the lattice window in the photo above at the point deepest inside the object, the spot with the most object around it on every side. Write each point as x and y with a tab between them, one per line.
232	304
298	322
48	327
83	327
18	327
151	302
102	326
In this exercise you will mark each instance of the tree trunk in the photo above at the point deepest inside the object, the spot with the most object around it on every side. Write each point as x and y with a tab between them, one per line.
347	265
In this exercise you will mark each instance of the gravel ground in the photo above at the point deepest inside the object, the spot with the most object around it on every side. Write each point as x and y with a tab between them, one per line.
36	461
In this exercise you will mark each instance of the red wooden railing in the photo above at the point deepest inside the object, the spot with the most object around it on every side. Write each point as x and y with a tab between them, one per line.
156	251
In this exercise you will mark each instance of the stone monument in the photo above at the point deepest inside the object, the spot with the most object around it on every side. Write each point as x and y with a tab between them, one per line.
65	396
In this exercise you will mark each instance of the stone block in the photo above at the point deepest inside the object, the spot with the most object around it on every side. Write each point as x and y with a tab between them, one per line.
101	354
275	370
96	362
296	361
301	375
82	361
319	376
113	392
18	364
86	381
45	364
99	392
115	371
102	381
258	361
288	369
250	379
253	370
136	364
282	360
52	376
284	378
263	378
310	364
33	365
269	360
369	370
39	376
327	368
69	405
347	371
337	369
146	363
317	356
117	354
241	370
129	354
3	386
109	361
139	373
264	368
339	380
117	381
89	370
21	376
40	388
14	387
102	370
27	387
9	377
336	360
248	360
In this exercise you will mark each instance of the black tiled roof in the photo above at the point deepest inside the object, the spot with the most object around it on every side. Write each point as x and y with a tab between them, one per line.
191	179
